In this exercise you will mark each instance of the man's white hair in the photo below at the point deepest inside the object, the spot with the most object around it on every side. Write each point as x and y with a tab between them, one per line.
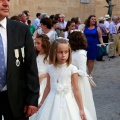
114	17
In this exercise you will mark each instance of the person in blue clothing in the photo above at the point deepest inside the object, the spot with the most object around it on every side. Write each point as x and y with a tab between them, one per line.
94	36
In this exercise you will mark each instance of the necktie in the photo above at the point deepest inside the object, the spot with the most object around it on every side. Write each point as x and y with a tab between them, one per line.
2	66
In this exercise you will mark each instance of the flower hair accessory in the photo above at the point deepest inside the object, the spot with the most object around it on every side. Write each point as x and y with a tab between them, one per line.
76	30
62	38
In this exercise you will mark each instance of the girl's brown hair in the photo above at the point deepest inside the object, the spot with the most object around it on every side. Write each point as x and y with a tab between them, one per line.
45	45
77	40
53	51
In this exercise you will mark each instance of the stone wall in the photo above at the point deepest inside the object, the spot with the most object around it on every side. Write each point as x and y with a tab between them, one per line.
71	8
116	9
101	10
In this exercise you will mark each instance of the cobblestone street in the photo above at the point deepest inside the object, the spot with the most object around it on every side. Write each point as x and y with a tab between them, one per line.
107	93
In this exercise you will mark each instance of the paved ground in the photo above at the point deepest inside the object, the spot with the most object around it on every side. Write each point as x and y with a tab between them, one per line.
107	93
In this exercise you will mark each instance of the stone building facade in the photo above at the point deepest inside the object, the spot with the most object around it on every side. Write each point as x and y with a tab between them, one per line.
71	8
101	10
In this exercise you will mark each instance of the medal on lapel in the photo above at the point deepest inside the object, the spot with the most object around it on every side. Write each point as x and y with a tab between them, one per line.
17	56
23	53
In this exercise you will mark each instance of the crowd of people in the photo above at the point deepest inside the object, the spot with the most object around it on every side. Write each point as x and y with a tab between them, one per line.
103	32
56	55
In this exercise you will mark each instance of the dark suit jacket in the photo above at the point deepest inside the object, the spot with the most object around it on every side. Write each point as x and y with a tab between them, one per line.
22	81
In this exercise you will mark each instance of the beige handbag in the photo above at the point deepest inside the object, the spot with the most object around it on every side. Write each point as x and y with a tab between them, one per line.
92	83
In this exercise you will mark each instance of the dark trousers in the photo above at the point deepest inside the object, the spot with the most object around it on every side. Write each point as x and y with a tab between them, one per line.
5	109
105	39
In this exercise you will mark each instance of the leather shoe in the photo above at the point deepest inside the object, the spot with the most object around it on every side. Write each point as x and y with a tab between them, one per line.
112	57
100	60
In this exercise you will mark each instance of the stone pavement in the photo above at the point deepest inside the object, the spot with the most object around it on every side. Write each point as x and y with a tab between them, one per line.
107	93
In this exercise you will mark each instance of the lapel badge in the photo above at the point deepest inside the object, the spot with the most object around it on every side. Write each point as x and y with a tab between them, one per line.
23	53
17	56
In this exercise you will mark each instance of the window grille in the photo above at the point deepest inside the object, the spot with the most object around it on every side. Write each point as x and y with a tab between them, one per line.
85	1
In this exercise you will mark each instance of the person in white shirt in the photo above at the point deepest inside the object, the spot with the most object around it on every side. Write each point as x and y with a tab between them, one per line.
63	23
23	18
27	13
45	28
107	21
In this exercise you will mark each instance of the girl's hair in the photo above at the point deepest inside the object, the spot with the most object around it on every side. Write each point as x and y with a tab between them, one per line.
73	19
76	20
53	51
45	45
68	24
88	21
77	40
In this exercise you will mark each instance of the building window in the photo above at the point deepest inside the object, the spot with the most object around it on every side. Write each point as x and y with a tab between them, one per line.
85	1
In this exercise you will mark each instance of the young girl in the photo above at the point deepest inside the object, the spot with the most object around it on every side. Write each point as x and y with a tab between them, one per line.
70	26
62	98
42	46
78	45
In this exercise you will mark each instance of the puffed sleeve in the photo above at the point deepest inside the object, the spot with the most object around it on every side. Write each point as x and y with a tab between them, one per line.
74	69
81	63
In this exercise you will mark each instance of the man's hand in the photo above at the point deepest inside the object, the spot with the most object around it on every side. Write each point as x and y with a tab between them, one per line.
30	110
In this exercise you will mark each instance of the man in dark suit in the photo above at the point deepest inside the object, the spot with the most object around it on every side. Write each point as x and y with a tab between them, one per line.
19	90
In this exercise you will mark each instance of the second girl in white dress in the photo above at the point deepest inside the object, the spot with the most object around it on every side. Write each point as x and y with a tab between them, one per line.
42	46
78	45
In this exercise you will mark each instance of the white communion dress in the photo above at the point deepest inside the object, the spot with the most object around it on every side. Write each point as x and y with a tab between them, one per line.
79	59
60	103
42	69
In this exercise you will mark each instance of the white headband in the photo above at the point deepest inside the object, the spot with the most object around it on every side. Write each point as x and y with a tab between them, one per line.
76	30
62	38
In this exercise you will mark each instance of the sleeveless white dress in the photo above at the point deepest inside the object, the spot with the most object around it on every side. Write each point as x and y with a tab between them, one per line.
60	103
79	59
42	69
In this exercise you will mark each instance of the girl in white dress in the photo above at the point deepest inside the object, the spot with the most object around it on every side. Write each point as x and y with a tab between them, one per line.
42	46
78	45
62	98
70	26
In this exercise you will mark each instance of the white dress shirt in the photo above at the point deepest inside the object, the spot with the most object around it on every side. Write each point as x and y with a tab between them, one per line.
3	32
107	24
63	24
